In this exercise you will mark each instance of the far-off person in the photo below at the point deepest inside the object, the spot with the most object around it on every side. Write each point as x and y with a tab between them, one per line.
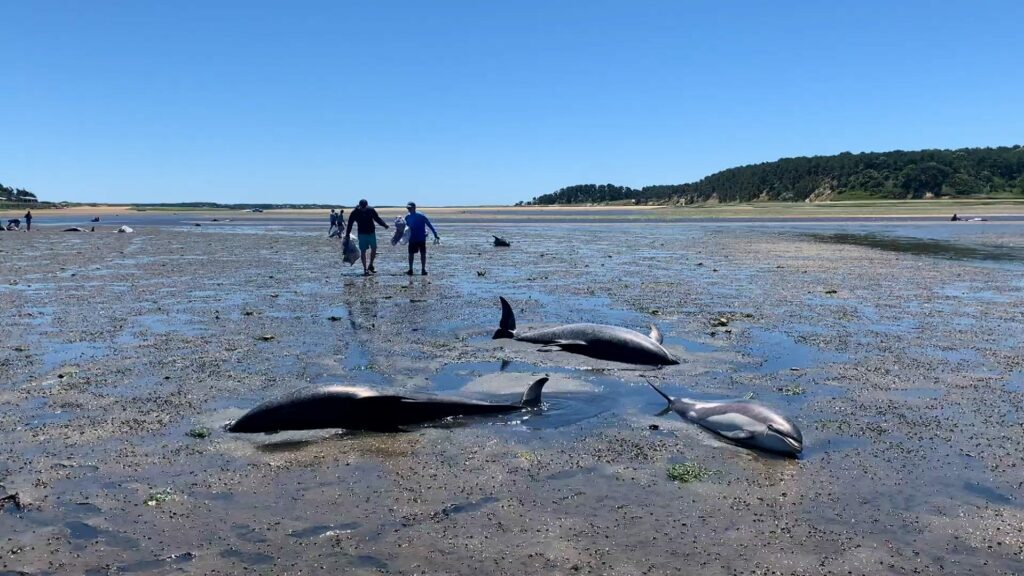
418	223
28	221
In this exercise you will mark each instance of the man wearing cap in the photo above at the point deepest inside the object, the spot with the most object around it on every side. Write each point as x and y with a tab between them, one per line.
417	224
367	220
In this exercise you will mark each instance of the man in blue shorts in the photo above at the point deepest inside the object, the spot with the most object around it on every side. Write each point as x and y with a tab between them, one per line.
367	220
418	224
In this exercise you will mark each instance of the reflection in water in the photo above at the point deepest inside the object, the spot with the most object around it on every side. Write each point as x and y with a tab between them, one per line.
78	530
925	246
284	446
248	558
464	507
991	495
360	561
324	530
782	353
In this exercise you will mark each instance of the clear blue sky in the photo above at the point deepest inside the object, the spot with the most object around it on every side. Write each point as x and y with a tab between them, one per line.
478	102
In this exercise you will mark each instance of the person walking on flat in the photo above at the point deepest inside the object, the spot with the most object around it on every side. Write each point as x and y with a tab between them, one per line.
28	221
367	220
334	222
417	223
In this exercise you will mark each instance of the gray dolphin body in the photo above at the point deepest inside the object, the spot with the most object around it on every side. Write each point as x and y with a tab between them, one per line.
357	408
594	340
501	242
746	423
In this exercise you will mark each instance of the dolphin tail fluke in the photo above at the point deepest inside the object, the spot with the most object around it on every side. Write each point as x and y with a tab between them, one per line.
507	326
658	390
656	335
531	398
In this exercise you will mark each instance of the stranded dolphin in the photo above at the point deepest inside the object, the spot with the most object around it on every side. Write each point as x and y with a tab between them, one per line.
501	242
746	423
356	408
594	340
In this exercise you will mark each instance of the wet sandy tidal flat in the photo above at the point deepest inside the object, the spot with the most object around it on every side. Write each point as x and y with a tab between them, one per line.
898	348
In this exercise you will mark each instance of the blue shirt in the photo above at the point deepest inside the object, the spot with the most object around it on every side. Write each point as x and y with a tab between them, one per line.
418	224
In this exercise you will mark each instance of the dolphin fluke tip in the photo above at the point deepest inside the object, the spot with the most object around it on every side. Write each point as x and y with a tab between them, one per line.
656	335
658	390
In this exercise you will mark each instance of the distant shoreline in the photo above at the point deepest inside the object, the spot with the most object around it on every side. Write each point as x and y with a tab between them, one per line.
745	211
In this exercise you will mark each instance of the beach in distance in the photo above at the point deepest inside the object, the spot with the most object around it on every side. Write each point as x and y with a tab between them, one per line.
897	209
894	343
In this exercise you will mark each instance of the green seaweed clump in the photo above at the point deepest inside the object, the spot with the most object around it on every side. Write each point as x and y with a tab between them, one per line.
158	497
688	472
528	456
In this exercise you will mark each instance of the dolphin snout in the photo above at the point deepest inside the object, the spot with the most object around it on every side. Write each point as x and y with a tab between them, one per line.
796	445
793	439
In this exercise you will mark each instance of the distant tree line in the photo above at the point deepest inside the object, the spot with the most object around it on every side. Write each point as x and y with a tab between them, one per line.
8	194
978	172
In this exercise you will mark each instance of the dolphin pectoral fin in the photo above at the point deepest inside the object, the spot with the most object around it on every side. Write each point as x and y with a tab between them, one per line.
656	335
562	345
664	411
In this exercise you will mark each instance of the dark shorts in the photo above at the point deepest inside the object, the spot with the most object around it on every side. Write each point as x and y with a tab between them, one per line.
367	241
417	246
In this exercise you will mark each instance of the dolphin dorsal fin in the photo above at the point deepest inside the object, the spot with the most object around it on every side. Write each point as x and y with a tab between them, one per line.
656	335
507	325
508	317
531	398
